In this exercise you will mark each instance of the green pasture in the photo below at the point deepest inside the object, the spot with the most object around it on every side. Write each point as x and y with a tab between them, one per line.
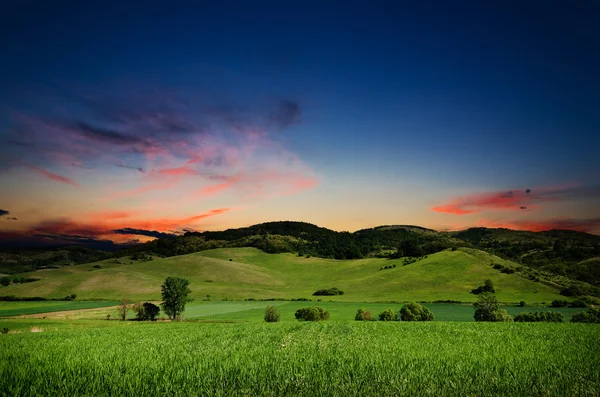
336	358
243	273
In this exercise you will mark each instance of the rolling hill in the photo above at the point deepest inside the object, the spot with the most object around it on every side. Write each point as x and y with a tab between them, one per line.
249	273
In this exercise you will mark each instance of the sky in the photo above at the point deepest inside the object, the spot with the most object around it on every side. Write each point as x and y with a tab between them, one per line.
126	122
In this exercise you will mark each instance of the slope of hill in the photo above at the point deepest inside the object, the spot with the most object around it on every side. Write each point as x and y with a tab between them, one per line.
564	252
248	273
560	252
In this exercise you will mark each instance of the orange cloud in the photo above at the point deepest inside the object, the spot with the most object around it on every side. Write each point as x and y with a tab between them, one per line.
107	228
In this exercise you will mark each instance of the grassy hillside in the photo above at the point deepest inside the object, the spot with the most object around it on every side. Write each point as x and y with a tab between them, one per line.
242	273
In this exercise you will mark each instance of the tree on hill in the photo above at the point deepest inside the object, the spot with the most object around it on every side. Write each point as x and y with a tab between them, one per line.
175	295
488	286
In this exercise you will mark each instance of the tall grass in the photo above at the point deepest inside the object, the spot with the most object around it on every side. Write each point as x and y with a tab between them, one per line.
308	359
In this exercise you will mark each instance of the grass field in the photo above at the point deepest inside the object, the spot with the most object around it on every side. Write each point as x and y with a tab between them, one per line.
308	359
252	273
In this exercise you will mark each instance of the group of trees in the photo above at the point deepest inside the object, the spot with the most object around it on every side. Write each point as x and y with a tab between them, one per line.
175	295
328	292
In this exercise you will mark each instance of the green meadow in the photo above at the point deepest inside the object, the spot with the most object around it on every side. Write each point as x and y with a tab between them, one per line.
248	273
224	347
335	358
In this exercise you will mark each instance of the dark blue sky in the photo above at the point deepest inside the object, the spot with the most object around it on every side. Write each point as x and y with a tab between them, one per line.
453	98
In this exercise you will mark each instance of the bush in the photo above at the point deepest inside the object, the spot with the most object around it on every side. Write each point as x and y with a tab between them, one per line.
534	317
5	281
313	313
592	316
97	267
271	314
362	315
328	292
4	330
502	316
487	308
559	303
70	297
522	304
413	311
388	315
578	303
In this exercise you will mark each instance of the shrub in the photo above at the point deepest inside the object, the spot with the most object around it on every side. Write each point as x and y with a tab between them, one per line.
387	315
328	292
5	281
70	297
362	315
559	303
271	314
4	330
591	316
502	316
522	304
534	317
97	267
578	303
313	313
413	311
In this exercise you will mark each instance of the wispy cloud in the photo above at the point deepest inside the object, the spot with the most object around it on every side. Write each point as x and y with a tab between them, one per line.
515	200
131	167
54	177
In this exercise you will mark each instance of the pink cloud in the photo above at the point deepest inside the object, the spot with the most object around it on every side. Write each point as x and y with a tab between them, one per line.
54	177
515	199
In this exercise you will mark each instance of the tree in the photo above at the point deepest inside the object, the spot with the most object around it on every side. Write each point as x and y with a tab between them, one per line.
123	308
413	311
271	314
488	286
146	311
487	308
175	295
387	315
